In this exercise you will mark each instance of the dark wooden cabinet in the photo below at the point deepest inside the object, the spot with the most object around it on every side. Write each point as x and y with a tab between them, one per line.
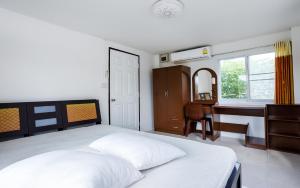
171	92
283	127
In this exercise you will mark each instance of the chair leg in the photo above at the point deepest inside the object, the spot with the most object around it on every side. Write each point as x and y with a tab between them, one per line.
203	123
210	127
187	128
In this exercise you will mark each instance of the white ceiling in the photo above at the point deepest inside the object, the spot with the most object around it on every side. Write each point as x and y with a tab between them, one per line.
132	23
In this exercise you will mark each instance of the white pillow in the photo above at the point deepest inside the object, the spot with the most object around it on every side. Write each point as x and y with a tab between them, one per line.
142	152
69	169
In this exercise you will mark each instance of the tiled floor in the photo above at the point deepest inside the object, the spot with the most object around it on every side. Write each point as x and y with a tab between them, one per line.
261	169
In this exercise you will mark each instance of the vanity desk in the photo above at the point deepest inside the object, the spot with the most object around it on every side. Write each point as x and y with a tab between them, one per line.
205	97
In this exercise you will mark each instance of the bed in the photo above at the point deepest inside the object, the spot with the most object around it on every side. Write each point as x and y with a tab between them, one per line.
204	165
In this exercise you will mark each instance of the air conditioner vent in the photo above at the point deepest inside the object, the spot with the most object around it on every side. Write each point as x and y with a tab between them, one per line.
189	55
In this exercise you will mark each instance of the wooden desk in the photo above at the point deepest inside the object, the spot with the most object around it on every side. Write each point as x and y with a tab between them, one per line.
256	111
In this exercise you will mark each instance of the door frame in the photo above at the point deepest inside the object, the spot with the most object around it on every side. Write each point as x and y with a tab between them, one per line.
139	87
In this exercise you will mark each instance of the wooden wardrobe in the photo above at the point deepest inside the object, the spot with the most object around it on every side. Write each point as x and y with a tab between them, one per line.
171	92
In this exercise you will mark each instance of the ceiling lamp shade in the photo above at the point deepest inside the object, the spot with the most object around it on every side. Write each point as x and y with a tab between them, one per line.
167	8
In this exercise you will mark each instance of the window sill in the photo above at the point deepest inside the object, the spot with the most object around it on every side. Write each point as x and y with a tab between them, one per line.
245	103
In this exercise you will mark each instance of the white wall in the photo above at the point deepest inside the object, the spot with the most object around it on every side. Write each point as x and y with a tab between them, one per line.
41	61
295	32
251	45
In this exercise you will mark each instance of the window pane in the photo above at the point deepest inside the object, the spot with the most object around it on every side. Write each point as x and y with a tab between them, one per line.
262	76
262	63
263	89
233	78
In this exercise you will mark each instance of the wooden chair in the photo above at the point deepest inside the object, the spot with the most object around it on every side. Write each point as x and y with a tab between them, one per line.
194	113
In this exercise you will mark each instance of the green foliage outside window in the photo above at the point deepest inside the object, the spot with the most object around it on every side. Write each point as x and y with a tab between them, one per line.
233	79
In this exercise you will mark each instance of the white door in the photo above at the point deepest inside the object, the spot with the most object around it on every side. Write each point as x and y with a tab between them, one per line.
124	89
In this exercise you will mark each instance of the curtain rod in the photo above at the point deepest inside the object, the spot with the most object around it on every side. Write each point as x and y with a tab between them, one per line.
264	46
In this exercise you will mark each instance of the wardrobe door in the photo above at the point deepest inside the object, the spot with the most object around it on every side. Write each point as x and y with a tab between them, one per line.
175	108
160	99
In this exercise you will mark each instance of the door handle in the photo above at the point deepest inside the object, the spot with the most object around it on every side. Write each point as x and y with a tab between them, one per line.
113	100
166	93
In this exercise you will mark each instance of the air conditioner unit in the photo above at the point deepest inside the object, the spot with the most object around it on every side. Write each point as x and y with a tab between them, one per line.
193	54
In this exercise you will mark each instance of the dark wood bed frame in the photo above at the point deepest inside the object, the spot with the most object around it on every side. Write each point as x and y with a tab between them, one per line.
235	179
27	118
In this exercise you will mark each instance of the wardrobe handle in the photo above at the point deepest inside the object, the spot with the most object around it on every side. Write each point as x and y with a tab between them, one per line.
166	93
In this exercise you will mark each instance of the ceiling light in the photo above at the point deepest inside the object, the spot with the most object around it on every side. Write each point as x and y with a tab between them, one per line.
167	8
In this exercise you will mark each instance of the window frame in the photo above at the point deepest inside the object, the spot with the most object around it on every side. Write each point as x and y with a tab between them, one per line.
246	55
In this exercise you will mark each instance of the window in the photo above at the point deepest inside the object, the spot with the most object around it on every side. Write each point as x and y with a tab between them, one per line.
262	76
249	77
233	75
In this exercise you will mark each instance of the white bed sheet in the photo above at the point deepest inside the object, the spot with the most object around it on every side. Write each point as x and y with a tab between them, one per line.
204	166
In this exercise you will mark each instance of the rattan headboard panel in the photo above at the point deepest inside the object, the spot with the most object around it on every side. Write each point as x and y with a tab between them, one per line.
9	120
81	112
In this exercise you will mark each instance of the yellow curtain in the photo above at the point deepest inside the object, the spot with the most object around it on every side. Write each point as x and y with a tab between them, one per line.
284	79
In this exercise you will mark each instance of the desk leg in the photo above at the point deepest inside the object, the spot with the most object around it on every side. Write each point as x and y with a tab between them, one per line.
203	123
216	127
187	128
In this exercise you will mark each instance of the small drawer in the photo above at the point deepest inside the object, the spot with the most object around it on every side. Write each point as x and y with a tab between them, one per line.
176	123
176	126
175	119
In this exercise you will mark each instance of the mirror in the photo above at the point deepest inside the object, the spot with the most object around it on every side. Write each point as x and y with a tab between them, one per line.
205	86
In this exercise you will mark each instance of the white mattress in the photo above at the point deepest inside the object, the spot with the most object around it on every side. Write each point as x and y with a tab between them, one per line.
204	166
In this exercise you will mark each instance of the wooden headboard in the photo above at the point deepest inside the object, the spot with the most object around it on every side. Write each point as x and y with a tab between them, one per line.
27	118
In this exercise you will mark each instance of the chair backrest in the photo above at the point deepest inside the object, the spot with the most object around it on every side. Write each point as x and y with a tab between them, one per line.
193	111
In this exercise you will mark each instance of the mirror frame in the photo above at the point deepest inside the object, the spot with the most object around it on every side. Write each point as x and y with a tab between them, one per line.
214	88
